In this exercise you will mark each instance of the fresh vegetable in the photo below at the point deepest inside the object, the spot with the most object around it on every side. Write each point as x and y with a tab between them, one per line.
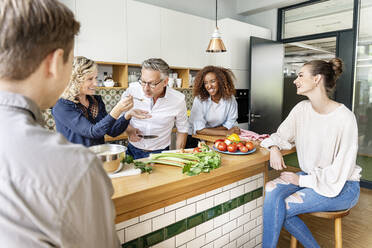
232	147
138	164
143	166
234	137
240	144
216	142
249	145
222	146
243	149
128	159
192	164
196	149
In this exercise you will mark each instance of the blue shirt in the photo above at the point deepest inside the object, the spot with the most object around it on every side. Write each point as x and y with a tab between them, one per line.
208	114
77	128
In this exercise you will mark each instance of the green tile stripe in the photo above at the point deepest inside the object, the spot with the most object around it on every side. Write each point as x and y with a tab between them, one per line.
192	221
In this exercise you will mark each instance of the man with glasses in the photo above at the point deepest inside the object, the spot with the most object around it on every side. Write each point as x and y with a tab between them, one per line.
166	106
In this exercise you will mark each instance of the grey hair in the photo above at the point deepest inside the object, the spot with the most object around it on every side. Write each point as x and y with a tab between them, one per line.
81	66
157	64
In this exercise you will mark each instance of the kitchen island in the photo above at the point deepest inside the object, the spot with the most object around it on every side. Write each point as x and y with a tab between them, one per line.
169	209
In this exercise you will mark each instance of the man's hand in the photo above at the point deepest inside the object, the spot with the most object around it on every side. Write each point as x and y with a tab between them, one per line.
181	140
290	177
133	133
276	159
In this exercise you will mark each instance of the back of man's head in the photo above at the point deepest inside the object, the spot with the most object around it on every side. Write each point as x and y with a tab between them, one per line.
29	31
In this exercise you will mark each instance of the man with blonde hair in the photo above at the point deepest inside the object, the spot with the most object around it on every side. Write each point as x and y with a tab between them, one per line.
52	193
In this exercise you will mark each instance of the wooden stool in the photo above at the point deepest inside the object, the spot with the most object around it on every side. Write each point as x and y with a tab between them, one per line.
328	215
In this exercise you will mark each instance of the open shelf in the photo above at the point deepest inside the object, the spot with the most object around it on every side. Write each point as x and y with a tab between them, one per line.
120	72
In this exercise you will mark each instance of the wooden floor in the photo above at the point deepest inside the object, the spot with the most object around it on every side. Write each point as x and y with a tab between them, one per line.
356	227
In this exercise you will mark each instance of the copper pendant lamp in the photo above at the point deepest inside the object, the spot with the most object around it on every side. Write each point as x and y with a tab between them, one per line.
216	44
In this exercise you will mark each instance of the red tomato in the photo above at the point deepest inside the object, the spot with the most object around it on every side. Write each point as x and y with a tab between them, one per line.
216	142
243	149
222	146
249	145
196	149
240	144
232	147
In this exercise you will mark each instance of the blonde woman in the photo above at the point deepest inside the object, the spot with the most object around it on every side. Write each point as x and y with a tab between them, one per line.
81	116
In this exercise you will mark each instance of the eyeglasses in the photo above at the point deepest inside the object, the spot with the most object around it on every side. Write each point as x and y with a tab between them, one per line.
150	84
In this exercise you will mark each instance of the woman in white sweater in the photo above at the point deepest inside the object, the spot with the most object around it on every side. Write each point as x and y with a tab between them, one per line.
326	138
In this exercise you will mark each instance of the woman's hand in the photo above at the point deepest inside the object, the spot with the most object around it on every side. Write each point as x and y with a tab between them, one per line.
122	106
137	113
276	159
290	177
126	103
233	130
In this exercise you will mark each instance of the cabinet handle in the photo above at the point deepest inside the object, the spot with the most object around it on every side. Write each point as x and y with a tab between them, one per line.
255	116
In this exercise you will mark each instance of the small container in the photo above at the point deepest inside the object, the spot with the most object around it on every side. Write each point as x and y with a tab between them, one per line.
171	82
179	82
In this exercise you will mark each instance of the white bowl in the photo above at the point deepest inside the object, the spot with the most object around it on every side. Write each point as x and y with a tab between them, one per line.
109	83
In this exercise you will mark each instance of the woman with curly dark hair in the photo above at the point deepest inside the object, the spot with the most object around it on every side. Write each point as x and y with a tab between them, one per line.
215	110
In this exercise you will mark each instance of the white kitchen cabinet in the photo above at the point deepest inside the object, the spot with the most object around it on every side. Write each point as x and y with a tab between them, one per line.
242	79
236	35
184	39
143	31
175	35
103	34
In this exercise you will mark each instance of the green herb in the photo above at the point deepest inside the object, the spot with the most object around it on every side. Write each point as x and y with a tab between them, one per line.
128	159
138	164
143	166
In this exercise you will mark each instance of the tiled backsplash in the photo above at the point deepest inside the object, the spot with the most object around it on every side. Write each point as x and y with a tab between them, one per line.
230	216
110	97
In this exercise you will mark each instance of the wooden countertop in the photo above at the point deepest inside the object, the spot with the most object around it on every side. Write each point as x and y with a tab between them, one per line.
140	194
208	138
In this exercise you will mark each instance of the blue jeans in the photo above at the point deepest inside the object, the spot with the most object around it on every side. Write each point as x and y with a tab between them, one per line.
139	153
284	202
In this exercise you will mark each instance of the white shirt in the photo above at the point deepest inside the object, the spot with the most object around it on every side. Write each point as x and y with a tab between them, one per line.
326	144
52	193
207	114
168	111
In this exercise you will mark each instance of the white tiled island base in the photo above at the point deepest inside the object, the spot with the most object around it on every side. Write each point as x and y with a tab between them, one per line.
230	216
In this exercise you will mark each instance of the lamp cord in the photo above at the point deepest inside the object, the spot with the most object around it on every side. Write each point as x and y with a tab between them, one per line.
216	13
